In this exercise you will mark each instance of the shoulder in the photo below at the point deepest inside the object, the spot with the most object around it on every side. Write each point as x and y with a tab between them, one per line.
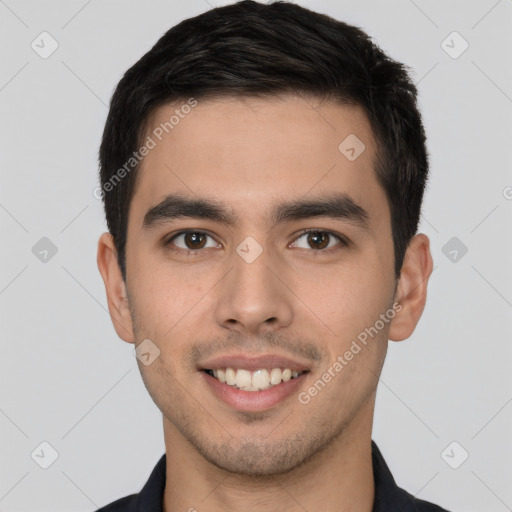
417	505
126	504
149	499
388	496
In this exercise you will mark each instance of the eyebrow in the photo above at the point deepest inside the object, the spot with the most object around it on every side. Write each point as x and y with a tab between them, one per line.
337	206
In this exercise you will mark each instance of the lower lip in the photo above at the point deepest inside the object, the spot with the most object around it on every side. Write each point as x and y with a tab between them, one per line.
253	400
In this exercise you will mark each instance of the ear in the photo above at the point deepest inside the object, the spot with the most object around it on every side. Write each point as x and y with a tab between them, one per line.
115	287
411	291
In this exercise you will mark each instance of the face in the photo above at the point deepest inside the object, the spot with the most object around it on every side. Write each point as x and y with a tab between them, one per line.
267	264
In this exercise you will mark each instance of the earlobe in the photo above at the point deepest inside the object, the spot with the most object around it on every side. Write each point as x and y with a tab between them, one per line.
115	288
412	288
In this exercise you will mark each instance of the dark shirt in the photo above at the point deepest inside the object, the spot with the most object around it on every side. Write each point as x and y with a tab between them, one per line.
388	496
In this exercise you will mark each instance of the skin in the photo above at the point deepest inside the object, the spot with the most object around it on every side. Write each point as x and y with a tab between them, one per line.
250	154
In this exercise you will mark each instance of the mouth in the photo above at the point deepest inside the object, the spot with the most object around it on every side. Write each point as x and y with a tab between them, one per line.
253	382
258	380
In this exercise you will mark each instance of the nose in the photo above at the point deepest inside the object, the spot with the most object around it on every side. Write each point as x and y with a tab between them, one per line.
252	298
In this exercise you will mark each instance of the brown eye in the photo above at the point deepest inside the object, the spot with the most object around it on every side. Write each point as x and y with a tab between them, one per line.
195	240
318	239
191	241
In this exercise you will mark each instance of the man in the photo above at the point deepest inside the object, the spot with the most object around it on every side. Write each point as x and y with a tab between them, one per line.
263	168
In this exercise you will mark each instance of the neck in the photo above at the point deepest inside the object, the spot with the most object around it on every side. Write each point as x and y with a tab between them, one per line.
339	477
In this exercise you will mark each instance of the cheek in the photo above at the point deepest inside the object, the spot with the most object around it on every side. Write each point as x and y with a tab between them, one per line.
164	296
347	298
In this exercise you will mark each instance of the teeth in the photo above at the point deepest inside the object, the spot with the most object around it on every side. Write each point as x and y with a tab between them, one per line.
261	379
230	376
254	381
243	378
275	376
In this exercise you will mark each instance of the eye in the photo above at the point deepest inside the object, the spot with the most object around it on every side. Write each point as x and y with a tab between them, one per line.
318	240
191	241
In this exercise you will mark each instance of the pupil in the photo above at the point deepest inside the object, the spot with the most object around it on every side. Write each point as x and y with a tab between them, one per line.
318	239
195	240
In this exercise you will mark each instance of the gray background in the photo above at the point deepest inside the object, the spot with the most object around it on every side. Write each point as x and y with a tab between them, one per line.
66	379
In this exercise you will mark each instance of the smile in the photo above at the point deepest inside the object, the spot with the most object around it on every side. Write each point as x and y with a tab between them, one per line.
257	380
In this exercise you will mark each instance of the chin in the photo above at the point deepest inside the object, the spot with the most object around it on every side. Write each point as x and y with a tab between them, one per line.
264	459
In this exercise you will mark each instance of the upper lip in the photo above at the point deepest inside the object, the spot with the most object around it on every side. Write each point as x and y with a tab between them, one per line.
253	363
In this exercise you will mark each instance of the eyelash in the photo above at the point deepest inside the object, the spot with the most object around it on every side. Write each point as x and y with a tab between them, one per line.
342	241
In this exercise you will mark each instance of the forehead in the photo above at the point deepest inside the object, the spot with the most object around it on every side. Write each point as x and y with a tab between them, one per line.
249	153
